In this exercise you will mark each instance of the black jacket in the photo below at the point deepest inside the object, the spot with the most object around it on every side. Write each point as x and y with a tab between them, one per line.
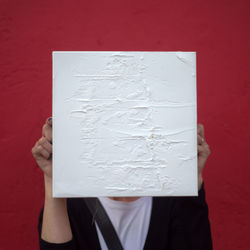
177	223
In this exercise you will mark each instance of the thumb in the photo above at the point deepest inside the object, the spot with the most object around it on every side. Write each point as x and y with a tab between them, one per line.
49	121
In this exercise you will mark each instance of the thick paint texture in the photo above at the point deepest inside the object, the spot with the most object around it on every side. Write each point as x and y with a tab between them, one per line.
131	124
217	30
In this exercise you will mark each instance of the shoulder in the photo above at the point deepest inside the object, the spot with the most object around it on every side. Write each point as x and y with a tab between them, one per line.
172	205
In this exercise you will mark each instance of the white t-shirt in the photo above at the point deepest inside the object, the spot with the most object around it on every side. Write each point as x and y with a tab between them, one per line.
130	220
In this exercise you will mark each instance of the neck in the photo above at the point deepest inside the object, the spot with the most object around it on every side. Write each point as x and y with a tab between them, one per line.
124	199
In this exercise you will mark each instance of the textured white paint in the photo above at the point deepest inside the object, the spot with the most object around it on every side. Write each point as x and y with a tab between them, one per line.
124	124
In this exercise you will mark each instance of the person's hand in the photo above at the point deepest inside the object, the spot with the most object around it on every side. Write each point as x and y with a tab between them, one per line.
203	153
42	150
55	226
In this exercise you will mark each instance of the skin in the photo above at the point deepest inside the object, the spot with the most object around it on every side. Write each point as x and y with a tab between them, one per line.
56	226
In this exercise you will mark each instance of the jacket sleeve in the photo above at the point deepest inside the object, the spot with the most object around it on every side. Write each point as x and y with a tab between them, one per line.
44	245
189	224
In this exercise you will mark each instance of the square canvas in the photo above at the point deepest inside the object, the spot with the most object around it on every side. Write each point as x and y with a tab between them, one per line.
124	124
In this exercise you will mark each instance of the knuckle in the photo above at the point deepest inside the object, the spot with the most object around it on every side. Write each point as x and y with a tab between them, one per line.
33	150
50	149
41	140
39	149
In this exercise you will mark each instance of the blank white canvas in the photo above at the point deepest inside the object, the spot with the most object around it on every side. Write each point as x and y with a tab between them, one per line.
124	124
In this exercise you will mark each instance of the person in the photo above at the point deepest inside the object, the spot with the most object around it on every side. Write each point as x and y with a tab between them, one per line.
170	223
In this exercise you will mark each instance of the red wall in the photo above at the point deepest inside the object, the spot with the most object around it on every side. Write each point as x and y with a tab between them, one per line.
218	30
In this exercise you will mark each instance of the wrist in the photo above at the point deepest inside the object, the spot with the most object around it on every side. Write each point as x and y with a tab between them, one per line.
48	186
48	191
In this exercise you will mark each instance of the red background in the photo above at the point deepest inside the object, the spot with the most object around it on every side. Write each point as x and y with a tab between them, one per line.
220	33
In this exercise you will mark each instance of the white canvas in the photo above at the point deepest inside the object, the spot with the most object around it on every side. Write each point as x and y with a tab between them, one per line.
124	124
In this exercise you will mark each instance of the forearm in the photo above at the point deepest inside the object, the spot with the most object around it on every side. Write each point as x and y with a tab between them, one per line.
55	226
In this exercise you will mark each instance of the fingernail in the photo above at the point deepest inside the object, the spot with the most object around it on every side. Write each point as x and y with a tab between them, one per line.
49	119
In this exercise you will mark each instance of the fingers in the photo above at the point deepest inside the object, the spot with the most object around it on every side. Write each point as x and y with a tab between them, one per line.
200	139
49	121
45	144
200	134
204	149
200	129
42	149
47	130
43	152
